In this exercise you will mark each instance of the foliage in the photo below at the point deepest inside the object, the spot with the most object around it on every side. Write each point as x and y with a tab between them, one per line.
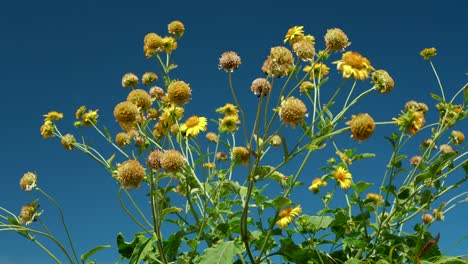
231	210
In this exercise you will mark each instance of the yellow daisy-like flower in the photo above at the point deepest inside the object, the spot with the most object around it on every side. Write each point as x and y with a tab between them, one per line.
343	177
318	70
229	124
228	110
47	129
294	33
53	116
170	115
209	165
287	216
428	53
374	198
354	65
316	184
194	125
169	44
90	118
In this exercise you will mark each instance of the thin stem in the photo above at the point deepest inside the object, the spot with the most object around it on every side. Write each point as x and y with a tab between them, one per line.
438	80
130	214
62	218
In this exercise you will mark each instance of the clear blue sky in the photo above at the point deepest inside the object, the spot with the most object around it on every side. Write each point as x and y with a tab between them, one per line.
58	55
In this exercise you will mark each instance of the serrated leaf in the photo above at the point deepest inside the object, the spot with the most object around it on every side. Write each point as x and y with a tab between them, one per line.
93	251
222	252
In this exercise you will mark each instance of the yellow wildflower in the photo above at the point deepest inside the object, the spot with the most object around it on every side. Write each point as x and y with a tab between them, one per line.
228	110
343	177
229	124
354	65
194	125
47	129
317	71
53	116
287	216
294	33
374	198
316	184
428	53
176	28
28	181
209	165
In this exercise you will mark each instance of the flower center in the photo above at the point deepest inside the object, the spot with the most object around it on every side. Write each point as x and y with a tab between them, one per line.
192	121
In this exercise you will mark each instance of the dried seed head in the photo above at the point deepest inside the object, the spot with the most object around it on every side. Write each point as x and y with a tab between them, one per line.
362	126
172	160
179	92
130	174
229	61
292	111
28	181
336	40
260	87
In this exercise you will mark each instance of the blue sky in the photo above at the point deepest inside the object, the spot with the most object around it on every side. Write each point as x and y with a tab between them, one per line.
59	55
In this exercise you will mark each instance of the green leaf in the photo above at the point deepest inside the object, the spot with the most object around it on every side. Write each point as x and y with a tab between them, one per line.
363	156
142	249
315	222
108	134
93	251
438	98
353	261
222	252
361	186
171	210
172	245
279	202
404	193
126	248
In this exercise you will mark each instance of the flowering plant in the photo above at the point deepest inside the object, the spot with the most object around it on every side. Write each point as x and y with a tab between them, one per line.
234	200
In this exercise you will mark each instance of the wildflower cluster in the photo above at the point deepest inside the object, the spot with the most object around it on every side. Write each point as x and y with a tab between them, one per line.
233	190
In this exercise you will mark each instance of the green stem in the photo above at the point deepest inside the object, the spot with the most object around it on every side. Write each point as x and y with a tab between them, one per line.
62	218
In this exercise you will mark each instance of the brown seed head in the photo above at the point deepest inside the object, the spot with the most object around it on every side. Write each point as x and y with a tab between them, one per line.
28	181
229	61
336	40
292	111
362	126
172	160
130	174
260	87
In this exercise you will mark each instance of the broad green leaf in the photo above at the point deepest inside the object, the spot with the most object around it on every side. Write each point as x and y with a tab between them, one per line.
172	245
126	248
361	186
315	222
221	253
279	202
93	251
142	249
353	261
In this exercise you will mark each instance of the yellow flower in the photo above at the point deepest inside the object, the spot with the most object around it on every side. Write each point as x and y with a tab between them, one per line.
149	78
428	53
382	81
275	141
28	181
354	65
411	121
89	118
316	184
344	157
294	33
80	111
228	110
53	116
343	177
140	98
209	165
179	92
122	139
240	155
318	71
229	124
130	174
229	61
176	28
129	80
279	63
169	44
376	199
336	39
194	125
306	87
287	216
212	137
457	137
292	111
47	129
68	141
29	213
170	115
362	126
171	160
